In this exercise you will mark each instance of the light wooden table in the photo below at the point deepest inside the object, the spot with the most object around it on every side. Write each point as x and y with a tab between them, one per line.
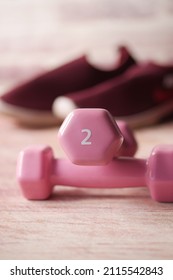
80	223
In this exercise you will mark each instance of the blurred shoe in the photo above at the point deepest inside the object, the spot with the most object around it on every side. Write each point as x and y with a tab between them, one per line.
31	103
143	95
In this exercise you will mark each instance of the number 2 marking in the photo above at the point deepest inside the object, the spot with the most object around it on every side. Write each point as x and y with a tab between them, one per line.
85	140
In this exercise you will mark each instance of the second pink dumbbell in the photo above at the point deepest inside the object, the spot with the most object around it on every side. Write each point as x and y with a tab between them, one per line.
38	172
92	137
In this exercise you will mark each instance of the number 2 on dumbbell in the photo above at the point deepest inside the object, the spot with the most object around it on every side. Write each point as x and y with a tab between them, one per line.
92	137
85	140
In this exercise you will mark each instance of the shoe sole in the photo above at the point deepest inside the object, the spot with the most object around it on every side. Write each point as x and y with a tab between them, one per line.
46	118
149	117
28	117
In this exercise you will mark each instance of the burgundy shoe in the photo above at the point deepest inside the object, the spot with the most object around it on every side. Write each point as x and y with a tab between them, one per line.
31	103
141	96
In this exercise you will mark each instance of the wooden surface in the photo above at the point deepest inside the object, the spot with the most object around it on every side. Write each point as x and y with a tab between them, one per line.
79	223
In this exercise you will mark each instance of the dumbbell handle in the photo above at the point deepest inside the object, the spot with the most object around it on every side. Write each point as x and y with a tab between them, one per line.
119	173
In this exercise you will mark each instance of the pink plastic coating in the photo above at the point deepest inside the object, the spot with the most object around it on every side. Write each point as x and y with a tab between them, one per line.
160	173
129	145
34	168
90	136
38	172
119	173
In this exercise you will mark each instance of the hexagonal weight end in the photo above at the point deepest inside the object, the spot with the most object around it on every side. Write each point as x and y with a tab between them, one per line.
160	173
33	172
90	136
129	145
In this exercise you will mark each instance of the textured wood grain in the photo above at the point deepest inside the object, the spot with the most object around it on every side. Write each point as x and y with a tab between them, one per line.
78	223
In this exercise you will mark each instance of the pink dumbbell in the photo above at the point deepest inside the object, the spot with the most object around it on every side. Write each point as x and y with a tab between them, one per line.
92	137
38	171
